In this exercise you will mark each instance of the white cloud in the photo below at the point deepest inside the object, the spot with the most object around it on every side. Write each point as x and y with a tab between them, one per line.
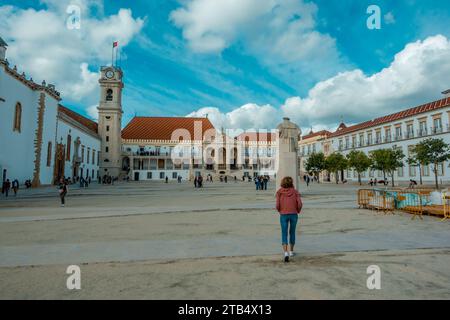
284	27
249	116
417	75
92	112
280	33
42	46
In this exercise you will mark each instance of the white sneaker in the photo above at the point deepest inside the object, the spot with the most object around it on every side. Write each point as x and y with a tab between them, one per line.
291	254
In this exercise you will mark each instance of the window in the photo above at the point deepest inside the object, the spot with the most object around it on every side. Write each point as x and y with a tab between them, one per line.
412	171
98	158
106	149
82	154
369	138
440	169
93	156
423	128
49	154
107	138
410	131
109	95
69	146
174	175
425	170
88	158
149	176
388	135
398	133
107	128
400	172
378	137
437	125
17	117
162	175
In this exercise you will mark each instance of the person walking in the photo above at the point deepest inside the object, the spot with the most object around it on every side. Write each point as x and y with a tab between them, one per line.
62	188
15	187
289	205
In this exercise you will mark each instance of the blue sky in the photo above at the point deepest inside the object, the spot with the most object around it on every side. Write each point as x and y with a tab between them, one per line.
242	71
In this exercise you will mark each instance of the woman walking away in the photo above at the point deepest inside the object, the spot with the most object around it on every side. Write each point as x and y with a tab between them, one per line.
289	205
62	191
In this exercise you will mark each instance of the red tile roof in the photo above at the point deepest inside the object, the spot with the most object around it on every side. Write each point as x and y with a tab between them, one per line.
316	134
257	137
88	123
394	117
162	128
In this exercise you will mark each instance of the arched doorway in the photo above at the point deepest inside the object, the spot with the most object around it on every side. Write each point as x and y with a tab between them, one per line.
222	159
58	171
234	161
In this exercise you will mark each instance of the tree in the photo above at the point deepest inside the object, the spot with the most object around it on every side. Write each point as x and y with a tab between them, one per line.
336	162
432	151
315	164
387	160
358	161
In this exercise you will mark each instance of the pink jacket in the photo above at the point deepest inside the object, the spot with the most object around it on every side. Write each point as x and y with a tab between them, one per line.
289	201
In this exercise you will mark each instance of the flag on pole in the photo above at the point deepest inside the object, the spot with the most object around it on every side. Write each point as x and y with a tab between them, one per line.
115	44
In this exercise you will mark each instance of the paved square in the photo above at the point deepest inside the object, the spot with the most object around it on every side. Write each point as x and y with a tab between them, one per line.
171	241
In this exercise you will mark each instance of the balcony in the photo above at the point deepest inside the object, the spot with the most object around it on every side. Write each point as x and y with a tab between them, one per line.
149	154
410	135
422	132
387	139
436	130
398	137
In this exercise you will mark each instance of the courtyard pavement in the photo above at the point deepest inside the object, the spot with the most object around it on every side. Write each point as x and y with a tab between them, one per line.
155	240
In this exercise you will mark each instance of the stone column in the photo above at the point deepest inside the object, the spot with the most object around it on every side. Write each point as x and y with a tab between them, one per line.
289	135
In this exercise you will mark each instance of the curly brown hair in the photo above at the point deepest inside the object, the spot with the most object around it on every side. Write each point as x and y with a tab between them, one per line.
287	182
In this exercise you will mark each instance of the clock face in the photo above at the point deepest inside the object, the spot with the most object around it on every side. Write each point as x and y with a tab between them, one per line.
109	74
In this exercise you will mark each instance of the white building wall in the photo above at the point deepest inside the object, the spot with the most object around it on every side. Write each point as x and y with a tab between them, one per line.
403	144
87	140
17	148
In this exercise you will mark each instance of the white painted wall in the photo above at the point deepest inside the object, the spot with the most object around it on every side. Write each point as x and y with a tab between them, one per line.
17	148
87	140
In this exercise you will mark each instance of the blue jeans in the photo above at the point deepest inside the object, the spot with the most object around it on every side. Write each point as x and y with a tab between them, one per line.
285	221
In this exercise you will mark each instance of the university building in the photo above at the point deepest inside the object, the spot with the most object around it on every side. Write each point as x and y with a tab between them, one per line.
42	140
402	130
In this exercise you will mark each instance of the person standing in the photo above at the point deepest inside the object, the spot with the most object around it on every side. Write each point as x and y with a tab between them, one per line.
7	187
15	187
289	205
195	181
62	188
265	181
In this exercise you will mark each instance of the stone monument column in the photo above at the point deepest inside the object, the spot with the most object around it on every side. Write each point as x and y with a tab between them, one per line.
289	135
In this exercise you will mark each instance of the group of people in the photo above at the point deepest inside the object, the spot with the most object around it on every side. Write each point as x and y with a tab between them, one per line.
198	182
8	185
261	182
374	183
308	179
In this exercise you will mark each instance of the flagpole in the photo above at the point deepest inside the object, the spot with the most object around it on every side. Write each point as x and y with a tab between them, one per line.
112	55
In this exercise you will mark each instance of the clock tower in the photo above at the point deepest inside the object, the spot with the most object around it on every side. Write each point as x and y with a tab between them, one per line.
110	120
